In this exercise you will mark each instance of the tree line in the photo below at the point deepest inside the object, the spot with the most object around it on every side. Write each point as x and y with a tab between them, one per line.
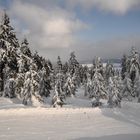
27	76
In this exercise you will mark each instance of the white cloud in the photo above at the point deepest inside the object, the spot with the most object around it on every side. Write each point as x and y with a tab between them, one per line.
115	6
46	27
52	30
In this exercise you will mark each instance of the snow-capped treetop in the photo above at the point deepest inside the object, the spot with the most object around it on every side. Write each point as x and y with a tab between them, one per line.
7	33
133	64
38	60
99	89
110	71
24	48
97	66
73	63
97	76
59	65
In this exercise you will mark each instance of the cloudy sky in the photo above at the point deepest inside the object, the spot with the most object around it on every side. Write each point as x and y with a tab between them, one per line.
106	28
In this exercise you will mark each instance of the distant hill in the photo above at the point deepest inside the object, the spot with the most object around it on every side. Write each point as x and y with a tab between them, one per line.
103	60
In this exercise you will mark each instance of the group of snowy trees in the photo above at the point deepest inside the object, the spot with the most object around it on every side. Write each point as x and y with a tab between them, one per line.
29	77
22	74
103	83
112	84
66	79
131	74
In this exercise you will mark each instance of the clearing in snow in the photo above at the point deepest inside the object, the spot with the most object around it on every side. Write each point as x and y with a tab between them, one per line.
72	122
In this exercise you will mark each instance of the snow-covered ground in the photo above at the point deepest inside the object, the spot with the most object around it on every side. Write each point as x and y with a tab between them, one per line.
75	121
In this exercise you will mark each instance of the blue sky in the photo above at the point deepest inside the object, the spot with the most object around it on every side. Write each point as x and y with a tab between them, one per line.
108	25
57	27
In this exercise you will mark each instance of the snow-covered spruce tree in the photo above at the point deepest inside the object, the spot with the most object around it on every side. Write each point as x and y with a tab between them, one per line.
9	43
130	69
74	69
97	66
99	88
44	89
134	64
65	68
114	95
9	87
137	87
8	48
48	65
86	75
124	66
23	64
24	48
73	63
25	56
81	74
59	96
12	58
31	86
35	86
70	86
77	76
127	91
7	33
27	91
58	72
109	70
88	86
38	60
59	65
19	83
87	82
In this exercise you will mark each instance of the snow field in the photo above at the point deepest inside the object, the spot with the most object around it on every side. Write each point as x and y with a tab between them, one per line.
31	123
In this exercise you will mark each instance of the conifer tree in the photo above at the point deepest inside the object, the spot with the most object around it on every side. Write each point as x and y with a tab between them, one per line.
59	65
19	83
44	83
59	95
99	88
73	63
24	48
134	64
65	68
88	86
70	85
38	60
7	33
109	71
58	98
9	88
8	49
127	90
27	93
97	66
32	86
124	66
114	96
